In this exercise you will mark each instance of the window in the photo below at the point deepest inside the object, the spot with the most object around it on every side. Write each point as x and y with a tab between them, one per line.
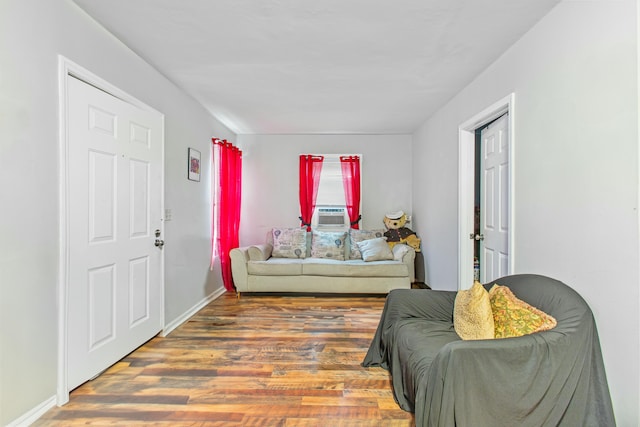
331	189
331	196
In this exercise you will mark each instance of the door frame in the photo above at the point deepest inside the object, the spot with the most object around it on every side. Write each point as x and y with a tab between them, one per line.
466	180
68	69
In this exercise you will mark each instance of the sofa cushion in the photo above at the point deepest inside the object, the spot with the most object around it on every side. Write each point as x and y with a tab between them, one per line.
353	268
513	317
472	315
419	343
375	249
328	244
275	267
289	243
356	236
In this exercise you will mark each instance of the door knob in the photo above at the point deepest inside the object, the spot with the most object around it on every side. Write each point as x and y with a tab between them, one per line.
159	242
479	237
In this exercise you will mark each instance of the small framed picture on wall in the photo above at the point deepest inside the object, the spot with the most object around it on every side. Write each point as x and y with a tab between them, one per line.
193	166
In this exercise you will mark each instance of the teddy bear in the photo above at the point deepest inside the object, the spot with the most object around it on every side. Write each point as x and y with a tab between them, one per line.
397	232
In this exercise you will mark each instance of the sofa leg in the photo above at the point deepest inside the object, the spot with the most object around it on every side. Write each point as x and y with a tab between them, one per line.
238	295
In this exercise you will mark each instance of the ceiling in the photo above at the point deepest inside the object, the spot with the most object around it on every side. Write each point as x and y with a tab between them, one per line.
319	66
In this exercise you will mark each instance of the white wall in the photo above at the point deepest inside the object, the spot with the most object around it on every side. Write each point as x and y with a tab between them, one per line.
270	177
575	79
32	34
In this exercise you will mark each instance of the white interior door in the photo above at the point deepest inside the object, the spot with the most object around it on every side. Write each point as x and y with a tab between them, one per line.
494	205
115	204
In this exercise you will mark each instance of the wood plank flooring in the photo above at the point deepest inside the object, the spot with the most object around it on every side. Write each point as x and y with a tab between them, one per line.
273	361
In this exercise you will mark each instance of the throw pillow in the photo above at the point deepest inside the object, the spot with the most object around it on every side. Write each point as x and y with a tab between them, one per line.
375	249
399	251
260	252
513	317
328	244
289	243
357	236
472	316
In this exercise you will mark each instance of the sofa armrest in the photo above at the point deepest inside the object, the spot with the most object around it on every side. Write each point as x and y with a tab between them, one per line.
407	255
239	258
260	252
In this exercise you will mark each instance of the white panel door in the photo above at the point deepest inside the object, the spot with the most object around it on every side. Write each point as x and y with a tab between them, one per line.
494	206
115	184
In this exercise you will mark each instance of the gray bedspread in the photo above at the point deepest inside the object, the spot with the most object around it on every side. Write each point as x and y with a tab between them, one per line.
551	378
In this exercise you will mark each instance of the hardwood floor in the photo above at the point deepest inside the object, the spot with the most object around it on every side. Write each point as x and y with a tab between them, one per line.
273	361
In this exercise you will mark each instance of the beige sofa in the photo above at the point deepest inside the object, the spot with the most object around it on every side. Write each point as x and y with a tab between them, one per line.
254	269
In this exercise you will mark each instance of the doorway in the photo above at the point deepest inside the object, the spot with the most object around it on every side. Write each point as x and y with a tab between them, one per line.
491	222
111	282
485	206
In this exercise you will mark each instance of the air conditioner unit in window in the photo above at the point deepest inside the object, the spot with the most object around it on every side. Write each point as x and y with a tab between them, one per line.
331	218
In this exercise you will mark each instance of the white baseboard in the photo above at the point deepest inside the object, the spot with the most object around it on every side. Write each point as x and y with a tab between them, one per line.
193	310
32	416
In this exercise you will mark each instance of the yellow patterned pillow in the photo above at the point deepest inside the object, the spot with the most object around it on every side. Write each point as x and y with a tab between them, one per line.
513	317
472	316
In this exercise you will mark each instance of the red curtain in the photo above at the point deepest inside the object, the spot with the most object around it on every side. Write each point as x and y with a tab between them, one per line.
226	221
310	168
351	180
